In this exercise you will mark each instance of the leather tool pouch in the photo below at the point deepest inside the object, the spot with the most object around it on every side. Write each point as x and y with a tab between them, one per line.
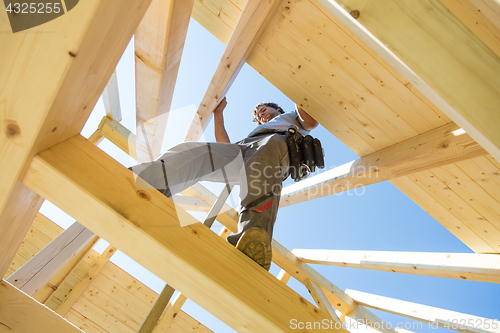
306	154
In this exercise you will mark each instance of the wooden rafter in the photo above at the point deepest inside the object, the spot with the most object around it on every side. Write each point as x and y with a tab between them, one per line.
159	41
462	266
251	24
444	318
64	73
88	184
456	70
21	313
33	275
444	145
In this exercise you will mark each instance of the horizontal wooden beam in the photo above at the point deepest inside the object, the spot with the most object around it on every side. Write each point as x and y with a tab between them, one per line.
444	145
443	318
455	69
252	22
33	275
95	189
159	42
462	266
119	135
22	314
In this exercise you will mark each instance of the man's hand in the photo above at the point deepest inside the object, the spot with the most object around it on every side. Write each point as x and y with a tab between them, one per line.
220	131
305	120
219	109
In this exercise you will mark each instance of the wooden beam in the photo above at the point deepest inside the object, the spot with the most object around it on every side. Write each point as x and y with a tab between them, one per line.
15	222
119	135
21	313
284	276
321	301
154	315
444	318
111	99
444	145
159	41
191	204
461	266
251	24
33	275
63	65
80	287
455	69
92	187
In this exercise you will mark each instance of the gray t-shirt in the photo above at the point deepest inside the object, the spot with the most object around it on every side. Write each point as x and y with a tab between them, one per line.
280	123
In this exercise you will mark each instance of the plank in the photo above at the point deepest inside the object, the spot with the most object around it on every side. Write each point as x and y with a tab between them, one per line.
477	20
457	321
154	315
321	301
94	188
44	265
119	135
457	227
15	221
251	24
159	42
328	35
111	99
189	324
60	277
212	23
456	64
459	208
435	148
76	292
462	266
15	307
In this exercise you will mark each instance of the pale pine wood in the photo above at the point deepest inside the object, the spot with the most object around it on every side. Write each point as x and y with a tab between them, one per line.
462	266
477	21
154	315
211	22
15	221
484	173
427	314
429	150
47	291
159	42
87	176
170	314
460	67
21	313
251	24
64	73
119	135
111	99
459	208
191	204
96	137
321	301
432	206
327	35
284	276
83	284
41	268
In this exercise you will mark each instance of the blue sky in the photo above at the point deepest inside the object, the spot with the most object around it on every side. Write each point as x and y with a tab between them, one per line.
377	217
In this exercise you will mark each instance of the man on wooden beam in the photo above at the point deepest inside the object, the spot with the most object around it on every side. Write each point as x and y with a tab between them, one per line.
258	163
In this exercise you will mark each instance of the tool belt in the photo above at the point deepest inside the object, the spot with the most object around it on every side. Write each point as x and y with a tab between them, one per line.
306	154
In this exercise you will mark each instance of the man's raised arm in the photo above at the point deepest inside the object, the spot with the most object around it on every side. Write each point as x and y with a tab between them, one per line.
305	120
220	131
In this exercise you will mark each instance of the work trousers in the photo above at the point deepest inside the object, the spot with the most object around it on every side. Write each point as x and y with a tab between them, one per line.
258	164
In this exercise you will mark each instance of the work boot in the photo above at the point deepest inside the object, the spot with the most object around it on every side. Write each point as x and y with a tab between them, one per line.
255	243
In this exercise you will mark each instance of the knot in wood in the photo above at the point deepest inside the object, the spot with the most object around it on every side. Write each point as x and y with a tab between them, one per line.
13	130
143	195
